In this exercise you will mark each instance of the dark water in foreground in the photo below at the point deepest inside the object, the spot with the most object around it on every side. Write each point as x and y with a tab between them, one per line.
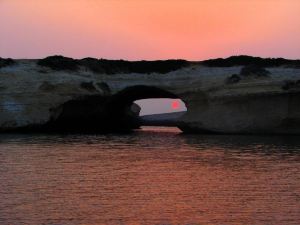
149	177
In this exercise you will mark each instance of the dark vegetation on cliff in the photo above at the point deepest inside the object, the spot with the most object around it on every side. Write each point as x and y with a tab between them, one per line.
291	84
252	70
159	66
244	60
105	66
233	79
257	70
122	66
112	66
6	62
59	63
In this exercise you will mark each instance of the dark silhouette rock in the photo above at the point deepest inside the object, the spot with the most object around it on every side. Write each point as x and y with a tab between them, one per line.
59	63
245	60
233	79
159	66
289	84
6	62
46	86
92	64
82	114
254	70
104	87
105	66
88	86
122	66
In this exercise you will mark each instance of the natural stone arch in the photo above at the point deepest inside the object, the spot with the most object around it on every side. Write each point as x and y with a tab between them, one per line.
221	97
119	106
97	113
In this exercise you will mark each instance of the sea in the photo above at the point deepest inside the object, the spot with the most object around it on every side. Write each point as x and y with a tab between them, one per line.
154	175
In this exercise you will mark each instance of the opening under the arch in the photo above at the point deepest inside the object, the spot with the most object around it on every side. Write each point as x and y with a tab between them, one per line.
160	105
160	111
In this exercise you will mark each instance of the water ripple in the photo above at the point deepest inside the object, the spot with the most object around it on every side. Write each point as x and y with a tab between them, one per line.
149	177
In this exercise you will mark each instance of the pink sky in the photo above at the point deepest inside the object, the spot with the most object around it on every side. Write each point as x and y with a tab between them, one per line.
160	105
149	29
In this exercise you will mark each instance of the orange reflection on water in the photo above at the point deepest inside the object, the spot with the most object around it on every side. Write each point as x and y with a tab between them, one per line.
150	178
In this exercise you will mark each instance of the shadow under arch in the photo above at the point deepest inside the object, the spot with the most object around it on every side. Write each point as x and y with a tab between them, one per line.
101	114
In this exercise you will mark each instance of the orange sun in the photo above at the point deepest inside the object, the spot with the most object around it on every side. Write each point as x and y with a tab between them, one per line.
175	105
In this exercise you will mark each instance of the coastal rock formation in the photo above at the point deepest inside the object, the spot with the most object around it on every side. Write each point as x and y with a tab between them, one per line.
240	94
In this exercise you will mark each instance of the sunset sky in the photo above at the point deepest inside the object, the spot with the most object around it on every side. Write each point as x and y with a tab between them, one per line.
149	29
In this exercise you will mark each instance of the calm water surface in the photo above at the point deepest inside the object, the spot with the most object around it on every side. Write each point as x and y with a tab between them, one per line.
153	176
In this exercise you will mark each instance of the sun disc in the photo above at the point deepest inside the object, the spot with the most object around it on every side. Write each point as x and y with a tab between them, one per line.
175	105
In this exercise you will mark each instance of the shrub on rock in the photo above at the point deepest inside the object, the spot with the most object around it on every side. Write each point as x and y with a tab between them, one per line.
290	84
123	66
244	60
58	62
89	86
6	62
255	70
233	79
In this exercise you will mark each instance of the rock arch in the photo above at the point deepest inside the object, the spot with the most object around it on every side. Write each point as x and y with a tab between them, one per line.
119	105
220	95
98	113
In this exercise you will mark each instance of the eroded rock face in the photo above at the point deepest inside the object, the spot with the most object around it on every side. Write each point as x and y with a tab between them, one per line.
220	96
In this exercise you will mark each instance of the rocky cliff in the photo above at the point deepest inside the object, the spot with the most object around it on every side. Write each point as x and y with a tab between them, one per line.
236	95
